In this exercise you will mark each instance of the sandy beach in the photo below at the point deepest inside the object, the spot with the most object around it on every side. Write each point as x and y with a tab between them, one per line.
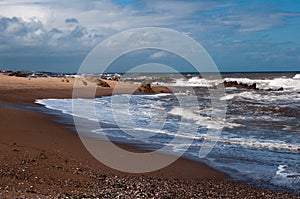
41	158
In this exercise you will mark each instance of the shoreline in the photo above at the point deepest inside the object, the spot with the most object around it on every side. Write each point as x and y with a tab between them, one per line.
49	152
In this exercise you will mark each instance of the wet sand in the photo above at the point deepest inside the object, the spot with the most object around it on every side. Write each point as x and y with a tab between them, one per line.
44	159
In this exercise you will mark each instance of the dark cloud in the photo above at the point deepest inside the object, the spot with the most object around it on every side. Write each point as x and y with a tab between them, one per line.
30	44
16	25
71	20
55	31
236	34
78	32
16	33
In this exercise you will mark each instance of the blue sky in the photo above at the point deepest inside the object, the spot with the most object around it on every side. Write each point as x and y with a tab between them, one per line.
53	35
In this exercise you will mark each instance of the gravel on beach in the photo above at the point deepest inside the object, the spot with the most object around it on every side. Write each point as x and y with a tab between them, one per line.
30	173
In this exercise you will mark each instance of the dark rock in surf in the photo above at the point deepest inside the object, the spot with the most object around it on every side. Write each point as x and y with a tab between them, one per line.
145	87
279	89
240	85
246	86
148	88
102	83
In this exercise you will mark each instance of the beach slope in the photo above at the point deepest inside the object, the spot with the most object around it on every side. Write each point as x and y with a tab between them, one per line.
41	158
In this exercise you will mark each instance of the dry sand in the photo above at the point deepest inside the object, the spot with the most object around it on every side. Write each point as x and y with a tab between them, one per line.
43	159
27	90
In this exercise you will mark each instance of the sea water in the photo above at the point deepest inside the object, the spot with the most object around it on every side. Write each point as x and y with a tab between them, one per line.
260	139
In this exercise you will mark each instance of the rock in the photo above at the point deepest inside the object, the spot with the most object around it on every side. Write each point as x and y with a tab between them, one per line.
279	89
102	83
115	78
24	73
239	85
145	87
161	89
246	86
84	82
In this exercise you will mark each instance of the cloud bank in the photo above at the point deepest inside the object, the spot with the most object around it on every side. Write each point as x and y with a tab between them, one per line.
236	34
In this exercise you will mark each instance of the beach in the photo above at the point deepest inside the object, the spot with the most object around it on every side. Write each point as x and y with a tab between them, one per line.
41	158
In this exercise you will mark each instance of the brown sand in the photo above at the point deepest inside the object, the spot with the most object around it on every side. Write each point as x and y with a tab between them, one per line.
44	159
26	90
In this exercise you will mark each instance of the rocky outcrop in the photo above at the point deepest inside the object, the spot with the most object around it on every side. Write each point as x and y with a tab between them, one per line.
145	87
239	85
20	73
102	83
148	88
98	81
161	89
279	89
246	86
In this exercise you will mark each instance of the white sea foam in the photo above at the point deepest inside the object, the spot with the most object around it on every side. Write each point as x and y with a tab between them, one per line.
247	94
263	84
205	121
273	145
282	171
286	177
263	97
53	104
297	76
194	82
65	105
265	144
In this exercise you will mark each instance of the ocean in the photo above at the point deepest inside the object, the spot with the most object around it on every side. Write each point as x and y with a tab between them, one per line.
259	141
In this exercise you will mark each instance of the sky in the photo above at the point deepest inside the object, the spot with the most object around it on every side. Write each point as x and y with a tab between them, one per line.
57	35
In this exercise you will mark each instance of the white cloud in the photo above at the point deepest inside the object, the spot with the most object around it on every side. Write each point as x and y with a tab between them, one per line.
26	12
96	20
251	21
158	54
76	26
